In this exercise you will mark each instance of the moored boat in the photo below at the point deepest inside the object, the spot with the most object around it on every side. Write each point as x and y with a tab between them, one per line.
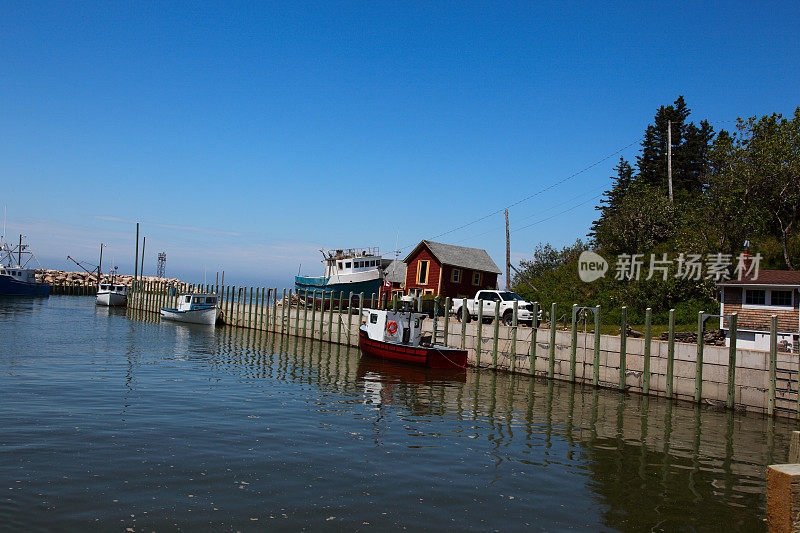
397	336
111	294
16	279
194	309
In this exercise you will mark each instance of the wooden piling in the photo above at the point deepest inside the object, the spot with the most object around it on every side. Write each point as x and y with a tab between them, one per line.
446	320
773	362
330	321
623	346
479	335
283	312
573	352
250	309
671	353
313	312
732	361
596	355
496	333
322	316
339	318
464	319
514	323
551	363
648	319
698	367
275	310
534	336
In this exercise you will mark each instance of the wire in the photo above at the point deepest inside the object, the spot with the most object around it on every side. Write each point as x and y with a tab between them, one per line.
537	193
498	228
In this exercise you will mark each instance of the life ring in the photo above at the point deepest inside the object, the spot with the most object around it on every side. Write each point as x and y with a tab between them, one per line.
391	327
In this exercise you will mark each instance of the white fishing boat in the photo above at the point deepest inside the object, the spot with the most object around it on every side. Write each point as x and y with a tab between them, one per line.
194	308
111	294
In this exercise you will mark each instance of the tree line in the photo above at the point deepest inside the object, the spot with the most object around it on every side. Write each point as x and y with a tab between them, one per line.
728	187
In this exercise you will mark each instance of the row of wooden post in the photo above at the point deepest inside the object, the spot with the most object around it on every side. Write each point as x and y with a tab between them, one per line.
152	295
74	289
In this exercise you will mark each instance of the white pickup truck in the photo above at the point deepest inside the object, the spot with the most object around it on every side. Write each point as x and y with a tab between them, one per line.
491	300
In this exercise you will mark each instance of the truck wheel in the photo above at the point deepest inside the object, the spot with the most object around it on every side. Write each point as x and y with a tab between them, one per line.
462	316
508	319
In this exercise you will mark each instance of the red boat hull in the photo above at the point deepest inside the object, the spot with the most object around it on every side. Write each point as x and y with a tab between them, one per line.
431	357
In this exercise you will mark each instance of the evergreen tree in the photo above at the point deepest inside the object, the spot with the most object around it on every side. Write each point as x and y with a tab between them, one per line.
613	197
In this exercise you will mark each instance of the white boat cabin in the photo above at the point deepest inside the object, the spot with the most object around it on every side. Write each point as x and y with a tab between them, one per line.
25	275
194	302
351	261
116	289
400	327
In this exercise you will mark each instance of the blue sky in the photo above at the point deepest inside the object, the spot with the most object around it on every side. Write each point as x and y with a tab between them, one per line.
247	136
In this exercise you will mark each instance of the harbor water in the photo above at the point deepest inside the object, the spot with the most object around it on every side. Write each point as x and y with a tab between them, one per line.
117	421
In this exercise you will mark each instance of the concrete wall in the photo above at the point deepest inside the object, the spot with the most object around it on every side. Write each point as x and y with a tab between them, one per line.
751	390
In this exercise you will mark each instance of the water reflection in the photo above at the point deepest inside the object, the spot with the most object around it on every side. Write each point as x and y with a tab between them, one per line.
484	450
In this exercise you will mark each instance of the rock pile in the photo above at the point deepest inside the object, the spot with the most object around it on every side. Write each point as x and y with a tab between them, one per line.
60	277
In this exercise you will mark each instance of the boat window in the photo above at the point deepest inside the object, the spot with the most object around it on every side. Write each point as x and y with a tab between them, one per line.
188	299
416	323
339	264
373	318
120	287
211	300
347	264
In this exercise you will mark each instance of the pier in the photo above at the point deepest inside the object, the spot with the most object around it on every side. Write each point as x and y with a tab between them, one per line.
722	377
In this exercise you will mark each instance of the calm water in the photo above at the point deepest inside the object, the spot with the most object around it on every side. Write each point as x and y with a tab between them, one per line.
110	422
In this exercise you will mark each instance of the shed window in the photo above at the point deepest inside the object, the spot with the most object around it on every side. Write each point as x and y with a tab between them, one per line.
456	277
782	298
755	297
422	272
476	278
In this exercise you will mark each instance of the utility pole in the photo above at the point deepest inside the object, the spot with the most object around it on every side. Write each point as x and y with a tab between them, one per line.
669	158
136	259
144	242
508	255
100	266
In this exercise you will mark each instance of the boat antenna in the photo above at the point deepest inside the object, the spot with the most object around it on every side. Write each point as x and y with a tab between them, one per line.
3	236
396	243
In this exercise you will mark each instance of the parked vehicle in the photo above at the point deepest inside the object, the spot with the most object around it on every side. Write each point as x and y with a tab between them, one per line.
490	300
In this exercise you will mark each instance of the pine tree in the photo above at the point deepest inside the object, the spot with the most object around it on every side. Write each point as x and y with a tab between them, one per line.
613	197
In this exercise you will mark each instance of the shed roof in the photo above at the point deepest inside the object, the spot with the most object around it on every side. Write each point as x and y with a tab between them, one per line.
458	256
767	277
395	271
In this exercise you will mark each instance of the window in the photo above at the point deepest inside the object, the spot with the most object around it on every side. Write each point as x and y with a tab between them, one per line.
428	291
510	296
476	278
339	264
755	297
456	276
422	272
347	264
373	318
188	299
781	298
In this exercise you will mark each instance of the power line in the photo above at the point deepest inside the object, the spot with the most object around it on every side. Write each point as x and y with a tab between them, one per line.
537	193
539	213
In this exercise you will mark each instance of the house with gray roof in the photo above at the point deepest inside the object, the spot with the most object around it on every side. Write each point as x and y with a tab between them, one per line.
448	270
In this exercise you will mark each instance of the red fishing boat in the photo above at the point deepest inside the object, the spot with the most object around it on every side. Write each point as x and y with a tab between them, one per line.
397	336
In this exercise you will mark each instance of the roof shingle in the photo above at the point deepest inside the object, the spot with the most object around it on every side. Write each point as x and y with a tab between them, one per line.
459	256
